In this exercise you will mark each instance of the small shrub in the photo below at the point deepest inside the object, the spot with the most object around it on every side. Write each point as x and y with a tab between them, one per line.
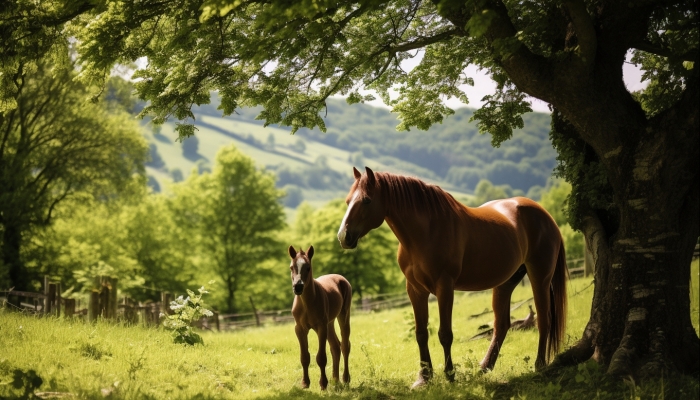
186	311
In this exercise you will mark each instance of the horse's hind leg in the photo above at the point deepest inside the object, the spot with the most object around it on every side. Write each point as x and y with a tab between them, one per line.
335	349
500	302
303	336
540	291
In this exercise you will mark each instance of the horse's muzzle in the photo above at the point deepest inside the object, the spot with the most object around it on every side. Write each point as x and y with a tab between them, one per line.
348	241
298	288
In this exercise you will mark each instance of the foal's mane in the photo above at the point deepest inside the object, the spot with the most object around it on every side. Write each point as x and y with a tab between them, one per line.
411	194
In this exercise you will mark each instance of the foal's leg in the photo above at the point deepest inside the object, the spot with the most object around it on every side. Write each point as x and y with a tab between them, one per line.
419	301
344	323
445	296
321	358
303	336
500	302
335	349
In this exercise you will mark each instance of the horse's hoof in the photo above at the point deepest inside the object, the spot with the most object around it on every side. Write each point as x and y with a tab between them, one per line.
346	378
420	383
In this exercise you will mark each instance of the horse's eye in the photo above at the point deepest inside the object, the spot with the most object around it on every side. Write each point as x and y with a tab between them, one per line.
366	200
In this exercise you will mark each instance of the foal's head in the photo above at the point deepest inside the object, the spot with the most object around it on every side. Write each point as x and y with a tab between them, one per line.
300	268
365	209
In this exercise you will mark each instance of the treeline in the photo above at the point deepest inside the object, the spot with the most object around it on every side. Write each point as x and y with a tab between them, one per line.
453	152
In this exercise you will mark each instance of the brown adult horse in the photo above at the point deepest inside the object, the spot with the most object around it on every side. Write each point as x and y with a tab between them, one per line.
445	246
318	302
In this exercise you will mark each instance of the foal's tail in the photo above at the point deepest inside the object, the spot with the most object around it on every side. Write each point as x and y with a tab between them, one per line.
557	293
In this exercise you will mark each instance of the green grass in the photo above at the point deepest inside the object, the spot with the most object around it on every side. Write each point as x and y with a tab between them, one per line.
90	361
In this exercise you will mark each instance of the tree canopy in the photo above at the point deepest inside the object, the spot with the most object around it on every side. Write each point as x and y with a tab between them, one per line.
54	145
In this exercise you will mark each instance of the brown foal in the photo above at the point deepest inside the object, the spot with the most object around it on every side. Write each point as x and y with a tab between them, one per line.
317	303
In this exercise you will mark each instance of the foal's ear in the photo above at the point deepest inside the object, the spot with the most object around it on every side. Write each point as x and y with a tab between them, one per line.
292	252
310	252
357	173
370	176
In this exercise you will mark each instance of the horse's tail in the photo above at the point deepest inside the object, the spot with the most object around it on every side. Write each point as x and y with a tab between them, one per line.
558	299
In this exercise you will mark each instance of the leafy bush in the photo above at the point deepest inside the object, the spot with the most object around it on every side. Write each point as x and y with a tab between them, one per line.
186	311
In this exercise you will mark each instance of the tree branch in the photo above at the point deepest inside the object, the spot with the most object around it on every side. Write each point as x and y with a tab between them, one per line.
585	32
423	41
690	55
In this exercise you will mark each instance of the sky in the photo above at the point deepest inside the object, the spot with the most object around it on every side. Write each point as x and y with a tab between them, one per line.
483	85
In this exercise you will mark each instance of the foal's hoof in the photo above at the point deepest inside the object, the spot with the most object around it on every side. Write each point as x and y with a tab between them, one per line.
450	375
304	384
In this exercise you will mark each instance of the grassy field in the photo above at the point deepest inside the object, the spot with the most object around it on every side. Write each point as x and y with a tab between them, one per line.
110	360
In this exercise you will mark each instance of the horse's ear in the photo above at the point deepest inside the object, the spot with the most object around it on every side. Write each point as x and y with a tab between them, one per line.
370	176
310	252
357	173
292	252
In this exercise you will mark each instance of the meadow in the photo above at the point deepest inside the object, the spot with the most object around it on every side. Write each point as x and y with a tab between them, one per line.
106	360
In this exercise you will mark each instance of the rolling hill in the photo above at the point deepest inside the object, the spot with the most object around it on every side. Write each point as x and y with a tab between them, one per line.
316	166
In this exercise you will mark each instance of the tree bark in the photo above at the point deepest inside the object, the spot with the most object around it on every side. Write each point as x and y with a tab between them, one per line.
640	316
12	239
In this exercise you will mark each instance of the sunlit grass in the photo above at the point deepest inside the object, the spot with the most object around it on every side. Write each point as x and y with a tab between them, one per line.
92	361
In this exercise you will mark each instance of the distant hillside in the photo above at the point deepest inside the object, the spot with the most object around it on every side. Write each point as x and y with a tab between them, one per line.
316	166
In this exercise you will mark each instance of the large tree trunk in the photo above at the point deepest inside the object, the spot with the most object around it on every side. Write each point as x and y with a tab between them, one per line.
640	317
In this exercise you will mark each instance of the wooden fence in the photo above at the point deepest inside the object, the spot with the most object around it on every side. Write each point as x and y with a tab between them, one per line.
103	303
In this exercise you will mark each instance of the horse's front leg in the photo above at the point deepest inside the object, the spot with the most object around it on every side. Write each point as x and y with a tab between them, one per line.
321	358
419	301
445	296
303	337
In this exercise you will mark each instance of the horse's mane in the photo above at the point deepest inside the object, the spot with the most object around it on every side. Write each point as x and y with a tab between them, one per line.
408	193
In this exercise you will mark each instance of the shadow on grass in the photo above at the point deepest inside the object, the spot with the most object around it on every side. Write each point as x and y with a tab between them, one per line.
585	381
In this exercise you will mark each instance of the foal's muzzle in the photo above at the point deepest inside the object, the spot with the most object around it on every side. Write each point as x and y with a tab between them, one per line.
298	288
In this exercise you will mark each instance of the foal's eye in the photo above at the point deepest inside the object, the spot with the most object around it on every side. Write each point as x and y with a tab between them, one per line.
366	200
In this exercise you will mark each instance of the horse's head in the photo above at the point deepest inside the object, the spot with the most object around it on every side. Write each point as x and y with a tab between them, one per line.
300	268
365	209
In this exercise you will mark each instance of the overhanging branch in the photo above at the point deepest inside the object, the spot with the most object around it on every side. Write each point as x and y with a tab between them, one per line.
690	55
423	41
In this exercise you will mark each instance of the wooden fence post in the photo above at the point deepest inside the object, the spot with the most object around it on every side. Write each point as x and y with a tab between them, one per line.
94	305
104	297
113	297
51	299
257	318
165	299
58	299
216	320
70	307
45	306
